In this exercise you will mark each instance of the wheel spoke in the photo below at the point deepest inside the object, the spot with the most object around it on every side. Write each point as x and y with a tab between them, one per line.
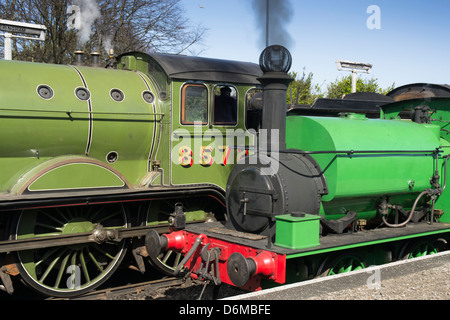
345	264
62	268
94	260
93	216
49	268
349	266
102	220
52	217
106	254
47	255
84	267
47	226
166	256
64	217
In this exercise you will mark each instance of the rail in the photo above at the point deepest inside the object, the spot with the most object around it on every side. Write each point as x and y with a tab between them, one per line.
110	293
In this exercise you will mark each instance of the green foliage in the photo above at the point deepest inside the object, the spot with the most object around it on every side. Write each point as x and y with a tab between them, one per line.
302	90
343	86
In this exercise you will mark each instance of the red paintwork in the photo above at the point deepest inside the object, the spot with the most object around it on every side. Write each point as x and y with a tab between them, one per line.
269	265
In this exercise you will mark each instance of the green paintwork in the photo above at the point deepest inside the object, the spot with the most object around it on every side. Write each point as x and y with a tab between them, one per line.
35	130
357	182
214	136
440	116
297	232
68	144
76	176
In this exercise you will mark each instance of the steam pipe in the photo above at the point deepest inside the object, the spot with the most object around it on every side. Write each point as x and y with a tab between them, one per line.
410	215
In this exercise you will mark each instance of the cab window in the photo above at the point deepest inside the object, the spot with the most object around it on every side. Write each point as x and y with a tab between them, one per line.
225	105
194	104
253	109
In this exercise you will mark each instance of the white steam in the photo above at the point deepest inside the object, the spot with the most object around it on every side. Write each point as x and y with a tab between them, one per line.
107	43
83	15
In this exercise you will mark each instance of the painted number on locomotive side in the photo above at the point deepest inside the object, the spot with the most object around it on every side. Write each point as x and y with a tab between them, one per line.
206	158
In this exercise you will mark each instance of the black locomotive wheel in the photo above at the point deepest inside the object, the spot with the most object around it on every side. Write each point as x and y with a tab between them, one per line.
418	248
341	264
157	213
71	270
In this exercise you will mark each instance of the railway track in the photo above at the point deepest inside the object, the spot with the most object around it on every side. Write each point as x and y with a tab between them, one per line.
138	290
161	289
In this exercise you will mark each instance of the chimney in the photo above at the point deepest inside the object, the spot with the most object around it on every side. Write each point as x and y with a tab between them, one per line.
79	57
275	61
111	61
95	59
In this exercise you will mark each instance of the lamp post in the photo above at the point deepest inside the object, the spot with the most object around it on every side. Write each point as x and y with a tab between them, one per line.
354	68
10	27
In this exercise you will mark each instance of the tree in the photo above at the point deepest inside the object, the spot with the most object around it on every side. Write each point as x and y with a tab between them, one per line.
343	86
124	25
302	90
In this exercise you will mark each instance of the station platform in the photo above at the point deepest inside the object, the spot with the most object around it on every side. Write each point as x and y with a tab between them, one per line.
424	278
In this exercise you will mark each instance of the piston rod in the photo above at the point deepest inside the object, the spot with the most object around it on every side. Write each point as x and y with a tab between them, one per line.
96	236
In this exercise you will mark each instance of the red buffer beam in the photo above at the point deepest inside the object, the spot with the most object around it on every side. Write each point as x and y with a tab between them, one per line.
208	258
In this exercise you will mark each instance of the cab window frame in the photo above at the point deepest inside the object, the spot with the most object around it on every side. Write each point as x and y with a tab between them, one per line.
183	109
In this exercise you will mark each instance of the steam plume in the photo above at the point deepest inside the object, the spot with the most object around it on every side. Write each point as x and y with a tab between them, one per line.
88	12
280	13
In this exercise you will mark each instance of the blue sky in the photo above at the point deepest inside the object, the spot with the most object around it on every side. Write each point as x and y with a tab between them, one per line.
412	44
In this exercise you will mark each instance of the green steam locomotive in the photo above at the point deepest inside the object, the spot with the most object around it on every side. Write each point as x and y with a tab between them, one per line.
193	165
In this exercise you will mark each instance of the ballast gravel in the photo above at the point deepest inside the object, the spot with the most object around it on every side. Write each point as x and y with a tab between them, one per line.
431	284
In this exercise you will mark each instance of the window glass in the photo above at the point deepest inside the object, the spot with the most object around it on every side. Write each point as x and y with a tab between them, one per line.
253	109
225	105
194	104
